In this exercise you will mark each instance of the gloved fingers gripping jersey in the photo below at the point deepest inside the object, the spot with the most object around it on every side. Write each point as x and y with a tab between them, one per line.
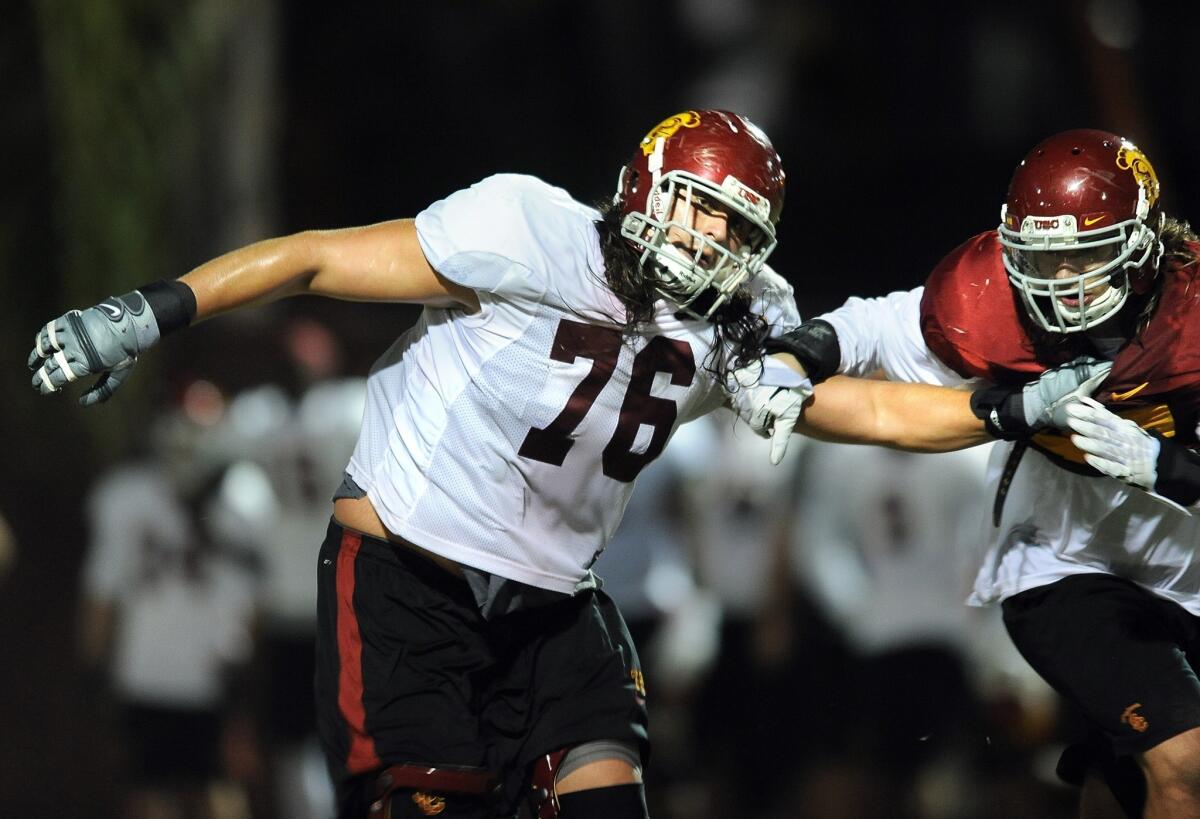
1119	448
1113	445
106	339
1015	412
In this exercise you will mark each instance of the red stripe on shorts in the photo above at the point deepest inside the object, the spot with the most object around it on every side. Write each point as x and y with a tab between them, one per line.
362	756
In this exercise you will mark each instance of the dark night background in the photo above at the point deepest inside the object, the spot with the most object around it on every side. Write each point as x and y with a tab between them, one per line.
141	138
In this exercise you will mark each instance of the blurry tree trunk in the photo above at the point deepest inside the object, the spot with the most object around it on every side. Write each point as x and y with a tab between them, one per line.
135	98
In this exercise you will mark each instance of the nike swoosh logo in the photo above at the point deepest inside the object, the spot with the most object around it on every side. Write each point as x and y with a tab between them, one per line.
1088	222
113	311
1123	396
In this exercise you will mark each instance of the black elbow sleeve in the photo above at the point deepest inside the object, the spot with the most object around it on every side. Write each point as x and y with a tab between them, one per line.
814	344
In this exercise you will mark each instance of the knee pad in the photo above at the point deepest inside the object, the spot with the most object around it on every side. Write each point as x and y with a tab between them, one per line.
402	791
549	768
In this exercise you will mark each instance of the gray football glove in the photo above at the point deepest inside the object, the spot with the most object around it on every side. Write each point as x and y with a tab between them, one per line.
104	340
1017	412
770	397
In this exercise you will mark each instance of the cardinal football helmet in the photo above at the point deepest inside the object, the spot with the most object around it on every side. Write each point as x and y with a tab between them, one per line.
715	161
1079	228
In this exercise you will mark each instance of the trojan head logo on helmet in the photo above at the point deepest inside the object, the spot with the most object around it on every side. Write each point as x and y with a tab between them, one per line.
1079	228
700	200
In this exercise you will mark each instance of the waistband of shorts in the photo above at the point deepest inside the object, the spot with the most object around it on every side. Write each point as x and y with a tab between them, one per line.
431	567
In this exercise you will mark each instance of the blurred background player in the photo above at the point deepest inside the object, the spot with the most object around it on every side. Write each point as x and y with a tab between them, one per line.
740	528
300	431
885	545
169	588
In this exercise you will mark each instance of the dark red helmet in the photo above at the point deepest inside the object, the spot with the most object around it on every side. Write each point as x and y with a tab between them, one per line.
1079	228
722	160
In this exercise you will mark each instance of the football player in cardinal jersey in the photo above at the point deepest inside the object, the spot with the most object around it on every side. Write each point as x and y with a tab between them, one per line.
466	656
1099	582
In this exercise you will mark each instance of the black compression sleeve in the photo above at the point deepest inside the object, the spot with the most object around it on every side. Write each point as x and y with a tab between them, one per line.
814	344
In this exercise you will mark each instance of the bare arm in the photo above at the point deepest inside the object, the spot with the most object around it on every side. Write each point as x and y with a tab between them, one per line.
380	262
915	417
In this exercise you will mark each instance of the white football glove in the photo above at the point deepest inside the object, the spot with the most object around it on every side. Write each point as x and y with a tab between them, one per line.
1119	448
769	396
1113	445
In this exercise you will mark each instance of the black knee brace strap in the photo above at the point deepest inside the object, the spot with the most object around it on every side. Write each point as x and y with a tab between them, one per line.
613	802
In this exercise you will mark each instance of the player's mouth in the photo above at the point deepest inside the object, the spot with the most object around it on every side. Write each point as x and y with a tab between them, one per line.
1074	301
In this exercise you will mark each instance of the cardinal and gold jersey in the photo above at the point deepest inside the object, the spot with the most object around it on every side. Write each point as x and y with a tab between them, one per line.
509	439
1060	517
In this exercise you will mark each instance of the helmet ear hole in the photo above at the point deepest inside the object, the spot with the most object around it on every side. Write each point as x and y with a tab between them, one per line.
634	177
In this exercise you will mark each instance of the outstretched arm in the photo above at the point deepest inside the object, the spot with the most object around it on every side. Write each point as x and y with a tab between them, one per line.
382	262
901	415
916	417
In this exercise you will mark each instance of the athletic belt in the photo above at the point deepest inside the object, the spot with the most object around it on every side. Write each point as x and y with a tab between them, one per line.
471	781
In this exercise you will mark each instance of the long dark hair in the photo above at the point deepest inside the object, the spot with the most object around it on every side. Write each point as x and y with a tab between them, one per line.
735	325
1178	240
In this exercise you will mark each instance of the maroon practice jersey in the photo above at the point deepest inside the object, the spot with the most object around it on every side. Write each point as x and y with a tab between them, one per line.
972	319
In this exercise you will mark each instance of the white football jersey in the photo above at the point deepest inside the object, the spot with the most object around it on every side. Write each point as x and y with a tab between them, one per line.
1055	522
509	439
301	446
738	513
884	540
183	612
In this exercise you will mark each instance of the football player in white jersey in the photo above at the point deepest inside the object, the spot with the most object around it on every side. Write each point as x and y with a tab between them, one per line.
466	657
1099	582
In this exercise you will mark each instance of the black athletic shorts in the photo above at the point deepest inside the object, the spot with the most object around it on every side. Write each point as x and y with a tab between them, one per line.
286	700
409	672
1124	656
173	746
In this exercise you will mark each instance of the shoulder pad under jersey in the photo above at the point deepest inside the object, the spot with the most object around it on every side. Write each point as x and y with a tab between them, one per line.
969	316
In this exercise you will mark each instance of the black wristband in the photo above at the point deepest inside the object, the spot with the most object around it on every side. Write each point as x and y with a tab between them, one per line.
172	302
1178	470
814	344
1000	410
